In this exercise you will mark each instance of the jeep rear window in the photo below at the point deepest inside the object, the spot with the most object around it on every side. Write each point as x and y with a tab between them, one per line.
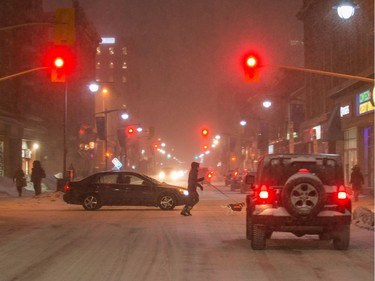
277	171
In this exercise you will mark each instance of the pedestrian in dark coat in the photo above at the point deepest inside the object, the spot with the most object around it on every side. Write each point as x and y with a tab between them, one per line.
356	179
193	183
37	173
19	179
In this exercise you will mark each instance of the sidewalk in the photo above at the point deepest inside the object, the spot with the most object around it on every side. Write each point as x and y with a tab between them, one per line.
366	201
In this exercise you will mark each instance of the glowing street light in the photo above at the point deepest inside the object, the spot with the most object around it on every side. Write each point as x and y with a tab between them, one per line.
94	87
346	9
124	116
267	104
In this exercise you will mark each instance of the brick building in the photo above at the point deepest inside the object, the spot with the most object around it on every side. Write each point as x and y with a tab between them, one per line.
31	106
339	112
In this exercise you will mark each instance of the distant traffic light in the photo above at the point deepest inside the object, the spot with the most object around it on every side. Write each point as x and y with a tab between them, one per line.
251	65
131	131
204	132
205	147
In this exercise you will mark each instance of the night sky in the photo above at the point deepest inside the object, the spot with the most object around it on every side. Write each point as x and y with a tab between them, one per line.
187	58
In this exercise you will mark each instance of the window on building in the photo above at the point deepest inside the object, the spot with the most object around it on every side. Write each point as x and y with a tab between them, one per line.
124	51
123	79
98	51
111	65
98	65
111	50
124	65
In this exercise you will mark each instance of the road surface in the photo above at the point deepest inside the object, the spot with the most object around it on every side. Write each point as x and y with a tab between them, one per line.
45	239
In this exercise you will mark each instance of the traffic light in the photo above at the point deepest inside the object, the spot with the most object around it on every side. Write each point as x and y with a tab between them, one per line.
121	137
58	73
251	65
204	132
60	60
205	147
64	28
101	127
130	131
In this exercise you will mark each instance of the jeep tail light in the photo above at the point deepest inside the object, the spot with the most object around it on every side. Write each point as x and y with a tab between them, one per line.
263	193
303	171
341	193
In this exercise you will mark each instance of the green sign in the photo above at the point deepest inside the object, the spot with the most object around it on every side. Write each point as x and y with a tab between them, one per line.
364	103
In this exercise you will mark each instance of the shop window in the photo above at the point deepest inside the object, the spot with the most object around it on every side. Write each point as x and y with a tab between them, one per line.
350	152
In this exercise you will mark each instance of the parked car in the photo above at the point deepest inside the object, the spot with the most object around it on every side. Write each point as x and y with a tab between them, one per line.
121	188
245	187
237	178
301	194
228	177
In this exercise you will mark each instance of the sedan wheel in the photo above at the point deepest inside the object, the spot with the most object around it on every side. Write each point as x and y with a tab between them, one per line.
91	202
167	202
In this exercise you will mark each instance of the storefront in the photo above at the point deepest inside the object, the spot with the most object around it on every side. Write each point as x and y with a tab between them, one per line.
357	121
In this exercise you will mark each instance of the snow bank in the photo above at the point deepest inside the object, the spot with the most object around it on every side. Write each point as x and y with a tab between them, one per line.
8	187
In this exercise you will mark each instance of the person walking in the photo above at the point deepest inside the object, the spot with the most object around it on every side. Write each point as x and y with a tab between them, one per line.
193	183
356	179
37	173
19	179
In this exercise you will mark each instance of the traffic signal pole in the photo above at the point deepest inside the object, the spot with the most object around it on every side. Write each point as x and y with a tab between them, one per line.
23	72
65	151
321	72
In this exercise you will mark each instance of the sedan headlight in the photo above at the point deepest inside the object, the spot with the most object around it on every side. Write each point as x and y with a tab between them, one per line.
184	191
162	175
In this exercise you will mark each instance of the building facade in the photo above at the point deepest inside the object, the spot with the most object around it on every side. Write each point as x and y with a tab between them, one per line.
31	106
340	112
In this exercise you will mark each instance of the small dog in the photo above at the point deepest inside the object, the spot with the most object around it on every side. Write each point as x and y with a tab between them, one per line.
237	207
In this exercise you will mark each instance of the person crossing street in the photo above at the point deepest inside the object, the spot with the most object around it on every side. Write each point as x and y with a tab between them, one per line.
193	183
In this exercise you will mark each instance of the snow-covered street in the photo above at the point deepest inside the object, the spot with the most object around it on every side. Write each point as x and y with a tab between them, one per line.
43	238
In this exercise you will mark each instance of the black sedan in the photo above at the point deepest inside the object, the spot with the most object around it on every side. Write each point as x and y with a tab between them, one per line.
121	188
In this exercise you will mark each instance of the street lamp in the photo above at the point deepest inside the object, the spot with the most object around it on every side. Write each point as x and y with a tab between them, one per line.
346	9
267	103
94	87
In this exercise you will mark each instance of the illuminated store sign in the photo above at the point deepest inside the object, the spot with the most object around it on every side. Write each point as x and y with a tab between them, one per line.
344	110
108	40
364	104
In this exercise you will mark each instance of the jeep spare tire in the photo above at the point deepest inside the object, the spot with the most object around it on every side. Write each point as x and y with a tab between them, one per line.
303	195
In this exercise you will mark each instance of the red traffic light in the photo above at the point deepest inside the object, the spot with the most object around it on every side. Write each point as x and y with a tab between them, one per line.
251	65
131	130
204	132
251	61
60	60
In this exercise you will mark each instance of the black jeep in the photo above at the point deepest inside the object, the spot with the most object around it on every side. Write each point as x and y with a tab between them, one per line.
301	194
